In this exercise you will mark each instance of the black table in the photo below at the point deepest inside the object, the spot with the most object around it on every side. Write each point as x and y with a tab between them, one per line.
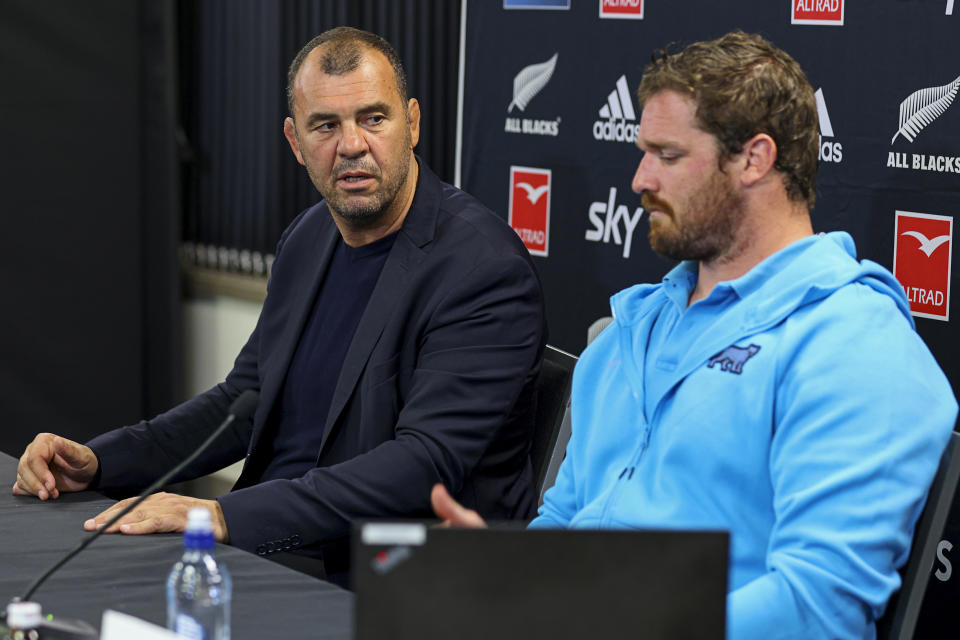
128	573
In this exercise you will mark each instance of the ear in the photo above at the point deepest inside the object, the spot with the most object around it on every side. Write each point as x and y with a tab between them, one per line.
290	133
413	119
759	155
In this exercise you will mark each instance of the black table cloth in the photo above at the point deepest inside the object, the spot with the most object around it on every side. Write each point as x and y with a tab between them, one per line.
128	573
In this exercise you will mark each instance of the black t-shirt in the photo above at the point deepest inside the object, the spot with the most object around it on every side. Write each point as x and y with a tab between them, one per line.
315	367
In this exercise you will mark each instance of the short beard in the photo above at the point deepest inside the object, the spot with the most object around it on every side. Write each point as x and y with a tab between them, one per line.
369	213
709	227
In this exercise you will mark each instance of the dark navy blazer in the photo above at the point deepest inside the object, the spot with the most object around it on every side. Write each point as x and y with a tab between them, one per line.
437	385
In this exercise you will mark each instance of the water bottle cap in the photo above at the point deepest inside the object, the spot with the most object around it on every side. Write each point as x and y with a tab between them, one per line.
198	520
24	615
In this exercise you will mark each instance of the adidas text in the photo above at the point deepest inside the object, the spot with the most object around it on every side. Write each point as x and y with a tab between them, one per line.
830	151
615	130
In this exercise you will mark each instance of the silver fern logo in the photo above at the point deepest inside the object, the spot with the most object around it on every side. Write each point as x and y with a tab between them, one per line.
529	82
923	107
526	85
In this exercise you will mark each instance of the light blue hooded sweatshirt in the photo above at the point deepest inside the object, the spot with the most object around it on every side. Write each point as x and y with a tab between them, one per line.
795	407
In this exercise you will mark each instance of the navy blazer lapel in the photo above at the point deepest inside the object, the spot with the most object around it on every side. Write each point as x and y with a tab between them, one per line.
406	254
317	250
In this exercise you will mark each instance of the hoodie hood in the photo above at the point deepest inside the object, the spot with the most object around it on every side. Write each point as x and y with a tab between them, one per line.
779	284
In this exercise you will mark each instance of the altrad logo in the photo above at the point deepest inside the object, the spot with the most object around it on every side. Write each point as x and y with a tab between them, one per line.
828	12
922	261
632	9
529	210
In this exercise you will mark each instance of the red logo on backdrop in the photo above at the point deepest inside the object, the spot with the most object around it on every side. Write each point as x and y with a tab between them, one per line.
621	9
530	207
817	12
921	262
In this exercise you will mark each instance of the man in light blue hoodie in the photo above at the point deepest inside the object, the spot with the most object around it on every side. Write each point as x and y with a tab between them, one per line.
771	385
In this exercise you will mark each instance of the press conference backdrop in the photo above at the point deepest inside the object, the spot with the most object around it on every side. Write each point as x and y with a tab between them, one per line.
549	117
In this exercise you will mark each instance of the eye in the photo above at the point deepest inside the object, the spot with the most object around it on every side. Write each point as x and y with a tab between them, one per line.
325	127
374	120
668	157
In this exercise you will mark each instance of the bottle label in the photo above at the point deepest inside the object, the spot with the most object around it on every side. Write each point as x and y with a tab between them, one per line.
187	627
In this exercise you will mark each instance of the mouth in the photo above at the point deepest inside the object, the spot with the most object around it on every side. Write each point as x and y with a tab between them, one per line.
354	180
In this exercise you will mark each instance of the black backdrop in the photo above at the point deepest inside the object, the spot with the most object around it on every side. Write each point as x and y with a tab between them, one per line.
88	194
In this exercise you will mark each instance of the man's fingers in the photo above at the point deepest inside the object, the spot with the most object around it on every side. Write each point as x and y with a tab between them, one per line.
160	513
451	511
34	473
17	491
104	516
73	454
34	481
147	525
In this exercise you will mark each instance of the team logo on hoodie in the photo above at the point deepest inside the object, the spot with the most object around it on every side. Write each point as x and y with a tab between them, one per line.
733	358
922	259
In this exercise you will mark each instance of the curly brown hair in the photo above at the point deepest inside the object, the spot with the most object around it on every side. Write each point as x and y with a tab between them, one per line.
743	85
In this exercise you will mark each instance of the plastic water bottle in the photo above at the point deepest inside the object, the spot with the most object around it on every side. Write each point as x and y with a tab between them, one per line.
198	589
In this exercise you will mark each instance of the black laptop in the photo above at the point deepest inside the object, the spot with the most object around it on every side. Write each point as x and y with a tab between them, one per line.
414	581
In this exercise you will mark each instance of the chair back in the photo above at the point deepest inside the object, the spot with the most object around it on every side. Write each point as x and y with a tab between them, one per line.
900	619
553	400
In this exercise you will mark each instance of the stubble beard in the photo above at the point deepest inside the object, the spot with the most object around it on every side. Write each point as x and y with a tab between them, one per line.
708	228
370	210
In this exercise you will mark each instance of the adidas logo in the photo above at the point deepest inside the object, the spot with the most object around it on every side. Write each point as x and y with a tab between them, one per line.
830	151
617	118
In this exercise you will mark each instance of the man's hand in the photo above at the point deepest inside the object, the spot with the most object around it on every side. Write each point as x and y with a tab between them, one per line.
51	464
452	512
159	513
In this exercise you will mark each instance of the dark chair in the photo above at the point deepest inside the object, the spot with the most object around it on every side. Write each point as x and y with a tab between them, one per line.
900	619
553	402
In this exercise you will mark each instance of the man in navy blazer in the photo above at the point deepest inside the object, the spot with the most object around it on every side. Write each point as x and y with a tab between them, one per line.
397	347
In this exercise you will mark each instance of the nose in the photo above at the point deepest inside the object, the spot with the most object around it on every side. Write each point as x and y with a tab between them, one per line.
643	179
352	143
